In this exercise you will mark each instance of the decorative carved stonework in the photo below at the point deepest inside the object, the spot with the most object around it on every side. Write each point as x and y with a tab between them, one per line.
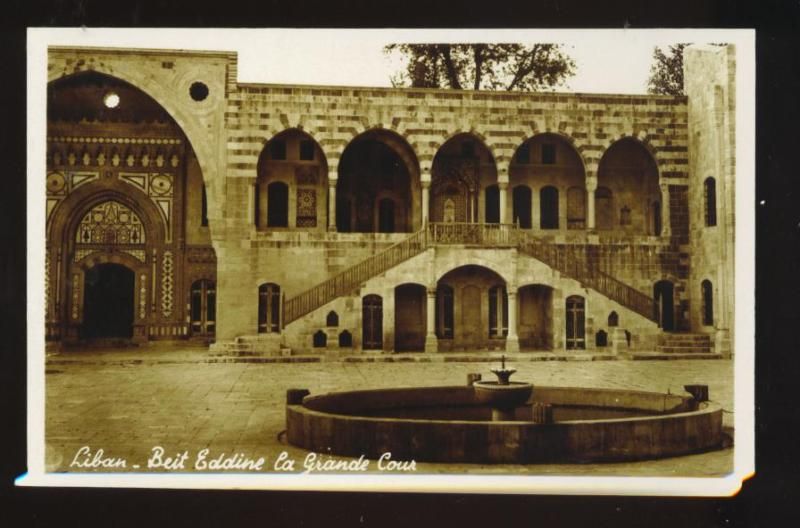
167	283
306	208
110	223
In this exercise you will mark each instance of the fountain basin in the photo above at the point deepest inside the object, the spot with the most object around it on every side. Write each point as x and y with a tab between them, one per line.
449	424
502	395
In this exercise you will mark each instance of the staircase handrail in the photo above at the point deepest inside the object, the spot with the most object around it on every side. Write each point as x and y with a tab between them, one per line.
576	266
348	279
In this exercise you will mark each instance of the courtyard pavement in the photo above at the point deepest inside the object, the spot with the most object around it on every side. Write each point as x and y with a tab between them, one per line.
127	402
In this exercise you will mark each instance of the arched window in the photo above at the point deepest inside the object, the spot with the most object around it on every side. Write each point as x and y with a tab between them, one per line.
603	208
492	202
449	211
521	206
269	308
601	338
498	311
444	312
663	305
386	220
576	208
655	223
613	319
277	205
320	339
203	307
710	191
332	319
345	339
576	323
548	206
708	302
372	322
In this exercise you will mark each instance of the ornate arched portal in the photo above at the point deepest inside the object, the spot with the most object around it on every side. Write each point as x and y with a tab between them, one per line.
123	184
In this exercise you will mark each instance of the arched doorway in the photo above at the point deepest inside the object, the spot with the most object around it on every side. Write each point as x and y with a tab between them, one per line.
535	326
491	204
108	301
125	186
472	309
372	322
521	206
576	322
410	309
664	307
269	308
548	207
203	307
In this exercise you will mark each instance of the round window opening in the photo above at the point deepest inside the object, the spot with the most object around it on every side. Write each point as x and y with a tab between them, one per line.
198	90
111	100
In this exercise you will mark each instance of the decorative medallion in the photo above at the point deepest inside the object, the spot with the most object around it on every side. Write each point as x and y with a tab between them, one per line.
306	208
56	183
161	185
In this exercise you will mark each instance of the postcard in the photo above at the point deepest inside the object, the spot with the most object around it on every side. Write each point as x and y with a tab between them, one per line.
391	260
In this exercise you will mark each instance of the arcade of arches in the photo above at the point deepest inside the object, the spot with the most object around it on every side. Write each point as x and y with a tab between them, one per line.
306	189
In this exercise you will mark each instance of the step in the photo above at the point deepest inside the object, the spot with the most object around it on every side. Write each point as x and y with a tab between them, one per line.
685	337
684	349
659	356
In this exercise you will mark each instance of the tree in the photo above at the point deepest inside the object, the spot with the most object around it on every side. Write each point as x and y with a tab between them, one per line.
483	66
666	73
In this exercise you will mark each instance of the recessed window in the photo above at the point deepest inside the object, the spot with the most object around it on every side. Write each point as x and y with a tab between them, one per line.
307	150
198	91
710	190
548	153
111	100
277	149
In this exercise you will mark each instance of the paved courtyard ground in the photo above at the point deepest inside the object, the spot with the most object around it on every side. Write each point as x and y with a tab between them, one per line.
126	406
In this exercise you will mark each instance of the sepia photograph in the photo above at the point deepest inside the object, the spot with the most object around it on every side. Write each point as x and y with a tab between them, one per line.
475	260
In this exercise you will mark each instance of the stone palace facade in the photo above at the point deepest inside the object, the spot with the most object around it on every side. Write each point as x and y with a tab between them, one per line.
285	219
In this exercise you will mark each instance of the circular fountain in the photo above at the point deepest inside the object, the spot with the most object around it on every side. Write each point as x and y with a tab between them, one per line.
504	422
503	396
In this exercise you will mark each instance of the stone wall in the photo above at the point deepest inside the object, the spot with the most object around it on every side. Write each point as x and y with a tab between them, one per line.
710	84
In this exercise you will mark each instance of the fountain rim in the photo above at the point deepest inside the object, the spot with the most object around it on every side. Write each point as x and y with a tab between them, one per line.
705	407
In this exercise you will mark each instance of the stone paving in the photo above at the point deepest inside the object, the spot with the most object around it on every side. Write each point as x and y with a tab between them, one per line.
112	402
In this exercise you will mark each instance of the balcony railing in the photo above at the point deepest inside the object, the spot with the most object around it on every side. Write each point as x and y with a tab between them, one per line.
491	235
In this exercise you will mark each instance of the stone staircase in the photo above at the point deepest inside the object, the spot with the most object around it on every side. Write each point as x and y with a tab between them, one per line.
685	344
261	345
570	261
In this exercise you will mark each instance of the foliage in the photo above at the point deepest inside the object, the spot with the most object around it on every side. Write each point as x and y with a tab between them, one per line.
666	73
483	66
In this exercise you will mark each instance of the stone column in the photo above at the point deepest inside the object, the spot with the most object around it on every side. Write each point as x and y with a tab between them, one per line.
503	192
332	202
666	226
591	187
431	342
512	341
426	191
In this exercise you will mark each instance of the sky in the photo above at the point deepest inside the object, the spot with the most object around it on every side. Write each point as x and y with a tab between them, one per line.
607	61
